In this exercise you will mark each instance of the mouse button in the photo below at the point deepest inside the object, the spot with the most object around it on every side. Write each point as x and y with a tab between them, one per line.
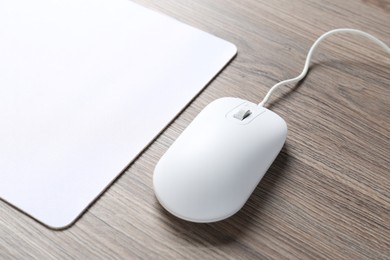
244	113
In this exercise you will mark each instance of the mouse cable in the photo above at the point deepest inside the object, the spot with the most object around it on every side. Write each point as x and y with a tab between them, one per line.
310	53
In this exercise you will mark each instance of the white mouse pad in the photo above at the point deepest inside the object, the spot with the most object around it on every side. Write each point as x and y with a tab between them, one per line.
85	85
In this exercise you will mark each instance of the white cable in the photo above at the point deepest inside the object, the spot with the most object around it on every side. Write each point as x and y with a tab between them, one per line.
310	53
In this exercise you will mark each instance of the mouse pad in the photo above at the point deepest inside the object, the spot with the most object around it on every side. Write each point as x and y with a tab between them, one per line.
85	85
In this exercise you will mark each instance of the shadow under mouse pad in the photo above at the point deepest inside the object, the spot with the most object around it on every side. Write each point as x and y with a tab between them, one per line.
85	85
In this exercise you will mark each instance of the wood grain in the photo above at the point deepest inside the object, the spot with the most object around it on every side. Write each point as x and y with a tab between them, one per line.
327	195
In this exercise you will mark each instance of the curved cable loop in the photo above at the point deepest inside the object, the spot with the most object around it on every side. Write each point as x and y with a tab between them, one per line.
310	54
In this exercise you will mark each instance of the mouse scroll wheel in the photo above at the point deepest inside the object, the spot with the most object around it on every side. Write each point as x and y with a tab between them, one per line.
242	114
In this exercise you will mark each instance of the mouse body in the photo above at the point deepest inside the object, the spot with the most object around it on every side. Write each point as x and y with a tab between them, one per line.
213	167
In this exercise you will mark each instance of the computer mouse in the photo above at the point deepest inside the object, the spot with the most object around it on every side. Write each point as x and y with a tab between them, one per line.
213	167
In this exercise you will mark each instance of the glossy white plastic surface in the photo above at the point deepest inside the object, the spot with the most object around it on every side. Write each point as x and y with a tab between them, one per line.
211	170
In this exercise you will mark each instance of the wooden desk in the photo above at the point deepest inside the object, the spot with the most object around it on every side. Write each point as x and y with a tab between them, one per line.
327	195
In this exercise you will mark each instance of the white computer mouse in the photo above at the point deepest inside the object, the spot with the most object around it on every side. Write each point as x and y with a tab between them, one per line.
213	167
